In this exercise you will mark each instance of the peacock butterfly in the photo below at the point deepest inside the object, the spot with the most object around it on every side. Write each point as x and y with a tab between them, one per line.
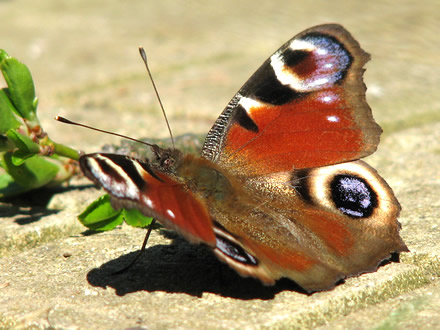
279	190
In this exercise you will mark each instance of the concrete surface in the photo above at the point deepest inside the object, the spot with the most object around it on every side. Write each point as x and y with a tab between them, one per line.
83	55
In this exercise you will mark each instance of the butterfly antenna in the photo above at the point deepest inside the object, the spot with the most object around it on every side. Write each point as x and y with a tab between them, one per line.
67	121
144	58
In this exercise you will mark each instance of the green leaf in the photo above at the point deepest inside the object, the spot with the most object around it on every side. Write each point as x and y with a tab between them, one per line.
19	157
9	188
100	215
35	172
8	119
135	218
26	147
23	142
3	55
21	88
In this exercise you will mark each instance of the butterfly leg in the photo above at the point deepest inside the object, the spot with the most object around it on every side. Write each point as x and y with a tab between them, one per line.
144	244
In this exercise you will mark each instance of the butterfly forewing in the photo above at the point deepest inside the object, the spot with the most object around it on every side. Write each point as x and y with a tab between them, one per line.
135	184
304	107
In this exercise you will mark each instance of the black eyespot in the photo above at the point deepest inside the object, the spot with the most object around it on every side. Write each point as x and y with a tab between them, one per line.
353	196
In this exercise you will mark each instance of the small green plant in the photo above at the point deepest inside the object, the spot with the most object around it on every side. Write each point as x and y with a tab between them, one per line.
29	159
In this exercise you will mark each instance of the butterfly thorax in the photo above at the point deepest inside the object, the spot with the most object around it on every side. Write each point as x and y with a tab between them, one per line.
198	174
204	178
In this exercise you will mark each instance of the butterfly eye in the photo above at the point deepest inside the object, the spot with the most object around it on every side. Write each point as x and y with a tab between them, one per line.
168	163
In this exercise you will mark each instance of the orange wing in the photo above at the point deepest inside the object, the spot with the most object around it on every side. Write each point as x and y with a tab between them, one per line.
304	107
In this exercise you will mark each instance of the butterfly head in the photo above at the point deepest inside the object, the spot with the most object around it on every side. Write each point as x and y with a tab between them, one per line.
167	160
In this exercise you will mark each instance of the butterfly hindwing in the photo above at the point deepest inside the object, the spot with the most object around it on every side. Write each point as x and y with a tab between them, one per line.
314	226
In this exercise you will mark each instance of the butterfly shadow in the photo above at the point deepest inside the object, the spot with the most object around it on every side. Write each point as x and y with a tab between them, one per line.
182	268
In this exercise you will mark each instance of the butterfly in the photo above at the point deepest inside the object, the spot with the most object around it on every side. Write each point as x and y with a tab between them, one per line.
278	190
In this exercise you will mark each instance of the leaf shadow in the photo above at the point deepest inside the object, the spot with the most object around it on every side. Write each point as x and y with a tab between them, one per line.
182	268
31	206
28	207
